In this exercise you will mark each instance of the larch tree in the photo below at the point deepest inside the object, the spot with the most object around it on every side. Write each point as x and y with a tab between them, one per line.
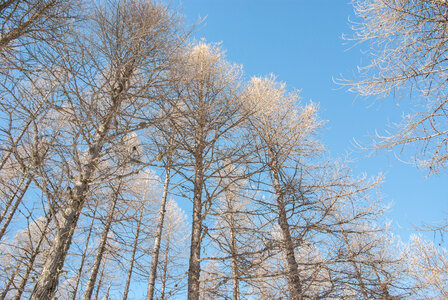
206	114
106	79
164	142
280	132
174	249
306	197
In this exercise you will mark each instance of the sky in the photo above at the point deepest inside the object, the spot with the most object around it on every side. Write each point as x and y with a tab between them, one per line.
300	42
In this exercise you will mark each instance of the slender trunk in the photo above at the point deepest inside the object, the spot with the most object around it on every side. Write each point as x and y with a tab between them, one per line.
13	209
32	259
165	268
156	250
108	293
101	248
84	254
11	280
295	285
194	269
134	250
233	249
100	281
48	279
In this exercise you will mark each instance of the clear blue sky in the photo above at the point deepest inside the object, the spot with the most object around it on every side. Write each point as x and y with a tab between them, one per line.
300	41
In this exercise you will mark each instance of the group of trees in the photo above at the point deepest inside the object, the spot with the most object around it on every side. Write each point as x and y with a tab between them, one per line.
111	115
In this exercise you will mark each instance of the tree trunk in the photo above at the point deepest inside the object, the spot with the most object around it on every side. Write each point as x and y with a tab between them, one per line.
295	285
165	268
195	254
100	281
48	279
156	250
131	265
101	248
233	249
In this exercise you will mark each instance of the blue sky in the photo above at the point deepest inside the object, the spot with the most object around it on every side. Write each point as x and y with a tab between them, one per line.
301	43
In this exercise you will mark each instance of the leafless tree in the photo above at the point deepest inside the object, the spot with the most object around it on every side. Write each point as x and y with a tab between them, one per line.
28	247
102	244
206	114
166	157
175	252
133	257
281	131
118	63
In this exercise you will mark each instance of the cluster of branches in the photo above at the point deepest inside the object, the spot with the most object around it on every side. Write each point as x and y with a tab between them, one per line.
407	49
108	115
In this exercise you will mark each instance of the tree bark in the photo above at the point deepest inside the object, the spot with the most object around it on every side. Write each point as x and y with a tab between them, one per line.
195	254
165	268
295	285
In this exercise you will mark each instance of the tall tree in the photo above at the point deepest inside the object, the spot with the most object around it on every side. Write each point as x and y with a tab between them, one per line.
106	80
206	114
165	156
281	135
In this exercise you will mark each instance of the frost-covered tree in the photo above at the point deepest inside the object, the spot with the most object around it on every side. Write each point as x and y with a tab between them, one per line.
205	116
106	80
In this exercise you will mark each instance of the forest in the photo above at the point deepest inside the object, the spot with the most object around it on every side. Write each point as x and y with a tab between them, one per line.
137	162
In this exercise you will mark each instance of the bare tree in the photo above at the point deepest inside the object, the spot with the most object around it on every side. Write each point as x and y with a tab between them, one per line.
281	132
167	162
28	247
132	260
84	255
122	57
205	115
234	239
174	250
